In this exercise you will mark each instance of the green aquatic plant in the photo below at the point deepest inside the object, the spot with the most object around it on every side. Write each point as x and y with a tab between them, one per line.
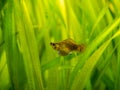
27	60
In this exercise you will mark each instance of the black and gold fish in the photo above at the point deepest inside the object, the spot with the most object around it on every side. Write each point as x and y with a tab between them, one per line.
66	46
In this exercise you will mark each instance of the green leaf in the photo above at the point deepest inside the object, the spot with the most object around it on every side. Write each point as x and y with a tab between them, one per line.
85	73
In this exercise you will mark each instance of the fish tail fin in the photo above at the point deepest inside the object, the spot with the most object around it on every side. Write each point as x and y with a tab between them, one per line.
81	47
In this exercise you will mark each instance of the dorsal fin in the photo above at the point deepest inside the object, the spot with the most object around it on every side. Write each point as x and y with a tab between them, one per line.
69	40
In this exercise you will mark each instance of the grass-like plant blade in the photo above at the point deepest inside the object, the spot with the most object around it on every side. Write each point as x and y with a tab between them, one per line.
85	73
13	55
28	62
94	44
29	48
105	65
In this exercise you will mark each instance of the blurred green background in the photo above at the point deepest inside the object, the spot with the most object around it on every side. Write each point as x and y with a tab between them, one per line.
28	62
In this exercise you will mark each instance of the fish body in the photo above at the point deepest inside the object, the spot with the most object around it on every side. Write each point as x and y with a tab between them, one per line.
66	46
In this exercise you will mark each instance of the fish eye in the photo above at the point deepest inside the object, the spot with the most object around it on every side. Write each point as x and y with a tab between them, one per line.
53	44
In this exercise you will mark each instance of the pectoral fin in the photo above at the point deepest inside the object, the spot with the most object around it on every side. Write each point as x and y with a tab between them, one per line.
63	53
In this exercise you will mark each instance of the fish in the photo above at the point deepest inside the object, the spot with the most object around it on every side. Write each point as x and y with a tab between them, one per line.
67	46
